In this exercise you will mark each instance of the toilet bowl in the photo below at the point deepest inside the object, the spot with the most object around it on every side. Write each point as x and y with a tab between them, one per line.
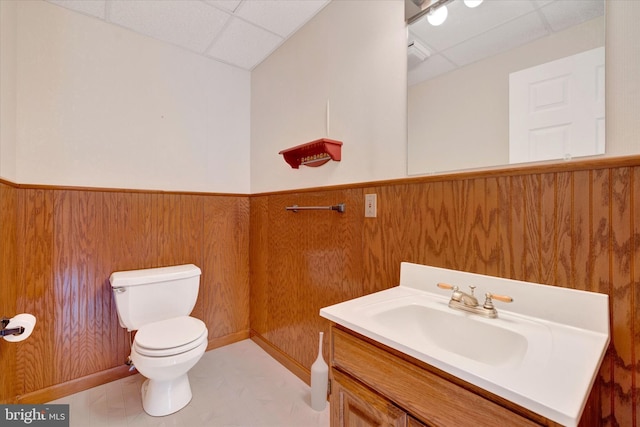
156	303
164	352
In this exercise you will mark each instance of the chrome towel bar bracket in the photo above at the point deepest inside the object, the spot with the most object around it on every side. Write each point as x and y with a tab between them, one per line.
338	208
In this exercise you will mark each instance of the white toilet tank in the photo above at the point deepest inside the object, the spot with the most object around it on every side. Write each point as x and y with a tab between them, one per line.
154	294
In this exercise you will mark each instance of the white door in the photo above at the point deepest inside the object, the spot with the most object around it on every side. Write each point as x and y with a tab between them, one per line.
556	110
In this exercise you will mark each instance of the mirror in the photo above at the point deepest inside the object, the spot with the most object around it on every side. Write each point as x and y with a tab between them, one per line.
459	83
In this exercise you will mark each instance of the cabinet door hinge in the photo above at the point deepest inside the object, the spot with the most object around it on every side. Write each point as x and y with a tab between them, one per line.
329	387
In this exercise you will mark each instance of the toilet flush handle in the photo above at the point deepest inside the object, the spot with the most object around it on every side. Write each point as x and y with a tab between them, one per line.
119	290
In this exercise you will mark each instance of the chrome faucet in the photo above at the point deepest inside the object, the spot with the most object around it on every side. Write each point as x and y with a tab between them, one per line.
467	299
468	302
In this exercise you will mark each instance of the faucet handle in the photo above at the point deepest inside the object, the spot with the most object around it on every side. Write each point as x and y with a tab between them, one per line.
488	302
446	286
503	298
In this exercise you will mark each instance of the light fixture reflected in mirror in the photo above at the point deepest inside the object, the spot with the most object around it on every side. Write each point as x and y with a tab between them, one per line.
436	10
472	3
437	16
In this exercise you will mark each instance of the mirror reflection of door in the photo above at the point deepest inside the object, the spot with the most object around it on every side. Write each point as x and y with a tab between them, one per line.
458	84
556	109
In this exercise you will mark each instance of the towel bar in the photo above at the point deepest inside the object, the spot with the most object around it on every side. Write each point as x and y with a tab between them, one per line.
338	208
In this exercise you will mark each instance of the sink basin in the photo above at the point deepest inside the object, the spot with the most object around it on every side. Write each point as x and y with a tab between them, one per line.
459	333
542	352
425	324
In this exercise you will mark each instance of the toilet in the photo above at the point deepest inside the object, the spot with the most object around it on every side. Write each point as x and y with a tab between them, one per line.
156	302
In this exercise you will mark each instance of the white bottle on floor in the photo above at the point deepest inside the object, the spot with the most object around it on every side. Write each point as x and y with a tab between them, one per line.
319	380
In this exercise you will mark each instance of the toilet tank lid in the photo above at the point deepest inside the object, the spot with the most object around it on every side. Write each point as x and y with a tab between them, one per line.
152	275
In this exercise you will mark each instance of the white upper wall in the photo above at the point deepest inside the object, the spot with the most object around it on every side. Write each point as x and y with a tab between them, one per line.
87	104
353	55
8	90
622	77
101	106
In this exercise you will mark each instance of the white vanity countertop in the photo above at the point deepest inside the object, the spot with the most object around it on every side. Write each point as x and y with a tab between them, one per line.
551	373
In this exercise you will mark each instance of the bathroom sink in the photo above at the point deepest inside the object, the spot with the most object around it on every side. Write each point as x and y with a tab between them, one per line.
545	334
475	338
424	323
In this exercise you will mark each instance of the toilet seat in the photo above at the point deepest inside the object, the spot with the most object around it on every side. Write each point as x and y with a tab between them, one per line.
170	337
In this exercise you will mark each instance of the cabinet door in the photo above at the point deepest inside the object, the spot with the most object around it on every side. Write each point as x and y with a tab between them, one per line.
354	405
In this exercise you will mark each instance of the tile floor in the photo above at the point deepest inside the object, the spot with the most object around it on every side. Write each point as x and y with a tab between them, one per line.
236	385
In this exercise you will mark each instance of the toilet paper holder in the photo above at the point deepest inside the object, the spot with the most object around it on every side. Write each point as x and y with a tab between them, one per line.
13	331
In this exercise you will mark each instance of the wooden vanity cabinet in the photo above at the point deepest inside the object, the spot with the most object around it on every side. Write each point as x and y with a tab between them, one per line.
373	385
358	406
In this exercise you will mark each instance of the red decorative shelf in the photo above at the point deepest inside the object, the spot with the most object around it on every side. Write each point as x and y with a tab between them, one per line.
315	153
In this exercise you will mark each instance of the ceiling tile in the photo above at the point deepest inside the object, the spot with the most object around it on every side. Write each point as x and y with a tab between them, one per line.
187	23
432	67
237	32
464	23
566	13
243	44
501	39
230	5
89	7
280	16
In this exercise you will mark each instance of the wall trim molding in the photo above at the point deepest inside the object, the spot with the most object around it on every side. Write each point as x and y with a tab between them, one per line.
58	391
573	165
498	171
74	386
113	190
228	339
297	369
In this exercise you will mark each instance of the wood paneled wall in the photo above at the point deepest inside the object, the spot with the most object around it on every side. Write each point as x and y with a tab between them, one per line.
317	263
7	286
71	240
572	226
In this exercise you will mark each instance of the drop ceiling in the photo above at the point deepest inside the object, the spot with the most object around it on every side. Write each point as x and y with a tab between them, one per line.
241	33
469	35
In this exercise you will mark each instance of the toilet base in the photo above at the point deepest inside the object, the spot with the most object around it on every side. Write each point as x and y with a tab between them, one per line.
160	398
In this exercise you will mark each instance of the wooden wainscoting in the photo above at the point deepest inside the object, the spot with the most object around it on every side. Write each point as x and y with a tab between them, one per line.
301	262
71	240
572	229
8	288
574	225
